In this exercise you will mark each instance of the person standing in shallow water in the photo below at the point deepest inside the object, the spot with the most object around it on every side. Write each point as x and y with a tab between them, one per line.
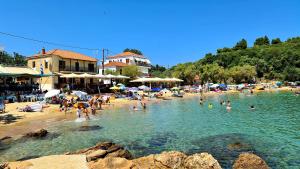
86	112
228	106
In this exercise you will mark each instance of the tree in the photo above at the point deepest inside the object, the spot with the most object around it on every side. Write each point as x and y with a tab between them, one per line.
131	71
275	41
136	51
244	73
291	74
262	41
242	44
16	59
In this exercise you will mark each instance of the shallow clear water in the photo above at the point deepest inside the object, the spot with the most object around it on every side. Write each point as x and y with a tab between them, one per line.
272	130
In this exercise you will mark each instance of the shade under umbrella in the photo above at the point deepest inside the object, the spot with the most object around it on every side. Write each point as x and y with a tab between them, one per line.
52	93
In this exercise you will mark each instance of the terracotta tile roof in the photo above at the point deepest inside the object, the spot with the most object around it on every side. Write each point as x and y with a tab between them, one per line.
115	64
65	54
124	54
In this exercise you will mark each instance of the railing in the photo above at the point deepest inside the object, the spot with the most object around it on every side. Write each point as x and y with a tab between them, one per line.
142	64
78	69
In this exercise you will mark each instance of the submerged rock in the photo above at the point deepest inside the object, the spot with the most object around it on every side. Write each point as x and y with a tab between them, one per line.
38	134
102	150
89	128
5	138
249	161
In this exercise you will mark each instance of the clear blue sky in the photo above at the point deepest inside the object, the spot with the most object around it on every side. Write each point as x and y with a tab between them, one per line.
167	31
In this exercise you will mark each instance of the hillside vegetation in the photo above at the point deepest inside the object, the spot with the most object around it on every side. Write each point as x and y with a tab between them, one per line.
266	60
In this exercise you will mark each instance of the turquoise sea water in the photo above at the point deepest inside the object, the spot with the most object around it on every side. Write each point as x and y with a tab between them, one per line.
272	130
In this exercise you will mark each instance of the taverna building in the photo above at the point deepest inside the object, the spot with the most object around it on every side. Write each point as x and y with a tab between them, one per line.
58	63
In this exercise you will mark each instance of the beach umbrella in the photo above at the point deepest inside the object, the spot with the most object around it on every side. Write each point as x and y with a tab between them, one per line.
165	90
52	93
143	87
121	86
121	77
214	86
133	89
79	94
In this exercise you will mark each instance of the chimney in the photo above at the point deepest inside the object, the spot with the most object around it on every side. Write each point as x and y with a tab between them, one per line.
43	51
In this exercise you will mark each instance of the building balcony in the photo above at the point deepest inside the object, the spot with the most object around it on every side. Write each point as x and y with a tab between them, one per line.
78	69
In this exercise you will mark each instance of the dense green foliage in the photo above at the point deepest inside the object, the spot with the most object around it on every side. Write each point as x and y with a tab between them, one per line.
156	70
136	51
264	61
131	71
15	59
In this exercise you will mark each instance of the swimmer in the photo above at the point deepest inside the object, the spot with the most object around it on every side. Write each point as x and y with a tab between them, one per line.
210	106
228	108
201	101
252	107
228	103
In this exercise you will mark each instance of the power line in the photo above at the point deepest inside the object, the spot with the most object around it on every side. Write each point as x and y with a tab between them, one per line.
46	42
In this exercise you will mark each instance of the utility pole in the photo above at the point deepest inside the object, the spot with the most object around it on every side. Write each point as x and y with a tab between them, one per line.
103	61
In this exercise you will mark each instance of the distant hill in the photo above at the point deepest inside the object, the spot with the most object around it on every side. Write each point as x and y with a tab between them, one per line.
271	60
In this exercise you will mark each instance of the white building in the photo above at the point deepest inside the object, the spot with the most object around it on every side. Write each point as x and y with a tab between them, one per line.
119	61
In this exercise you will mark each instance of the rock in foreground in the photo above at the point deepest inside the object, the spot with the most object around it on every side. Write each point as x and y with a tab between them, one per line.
165	160
249	161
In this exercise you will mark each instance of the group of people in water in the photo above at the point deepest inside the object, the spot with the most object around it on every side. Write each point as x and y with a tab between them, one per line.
223	102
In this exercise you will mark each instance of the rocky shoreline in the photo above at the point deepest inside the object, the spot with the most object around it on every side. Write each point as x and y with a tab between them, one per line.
111	155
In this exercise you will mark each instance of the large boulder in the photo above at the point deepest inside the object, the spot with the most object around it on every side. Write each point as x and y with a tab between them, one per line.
37	134
203	161
96	154
249	161
112	163
171	159
165	160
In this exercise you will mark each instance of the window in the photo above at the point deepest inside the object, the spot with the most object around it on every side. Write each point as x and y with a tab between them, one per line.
33	64
91	67
46	64
77	66
62	65
127	61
